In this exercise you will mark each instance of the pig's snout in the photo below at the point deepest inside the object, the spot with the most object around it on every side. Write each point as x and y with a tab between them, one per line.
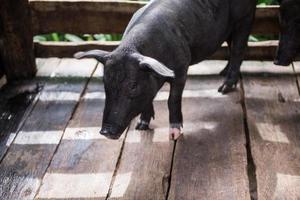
111	132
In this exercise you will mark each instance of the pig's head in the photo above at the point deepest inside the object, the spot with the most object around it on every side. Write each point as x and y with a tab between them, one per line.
131	82
289	44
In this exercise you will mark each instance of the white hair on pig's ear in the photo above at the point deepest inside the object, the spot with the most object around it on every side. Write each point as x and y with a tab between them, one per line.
155	65
100	55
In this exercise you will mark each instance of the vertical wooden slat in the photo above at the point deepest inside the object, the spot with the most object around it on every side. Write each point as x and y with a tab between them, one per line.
17	35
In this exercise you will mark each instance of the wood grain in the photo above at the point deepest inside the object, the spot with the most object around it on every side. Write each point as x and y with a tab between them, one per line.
83	153
272	104
16	102
112	17
256	50
210	159
31	152
17	51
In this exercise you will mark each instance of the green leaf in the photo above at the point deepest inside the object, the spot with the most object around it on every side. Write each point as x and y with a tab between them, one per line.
73	38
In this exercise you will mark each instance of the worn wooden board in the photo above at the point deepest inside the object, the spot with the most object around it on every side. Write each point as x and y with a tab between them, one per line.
47	67
256	50
210	159
273	108
111	16
16	102
32	150
16	40
84	157
66	67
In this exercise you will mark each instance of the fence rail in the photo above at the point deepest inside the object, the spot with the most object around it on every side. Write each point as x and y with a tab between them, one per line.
98	16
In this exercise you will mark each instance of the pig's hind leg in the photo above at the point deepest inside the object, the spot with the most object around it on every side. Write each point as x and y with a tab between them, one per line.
145	118
238	47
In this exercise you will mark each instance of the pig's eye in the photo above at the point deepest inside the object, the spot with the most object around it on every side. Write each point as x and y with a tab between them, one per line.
132	89
132	85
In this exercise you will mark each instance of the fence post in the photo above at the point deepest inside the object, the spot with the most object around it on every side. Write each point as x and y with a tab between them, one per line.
17	40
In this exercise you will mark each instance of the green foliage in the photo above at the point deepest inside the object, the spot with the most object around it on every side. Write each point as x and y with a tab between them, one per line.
56	37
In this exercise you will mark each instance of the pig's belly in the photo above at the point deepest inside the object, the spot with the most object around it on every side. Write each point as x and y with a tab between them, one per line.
200	53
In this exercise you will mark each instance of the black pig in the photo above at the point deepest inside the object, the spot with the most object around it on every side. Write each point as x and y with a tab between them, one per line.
289	44
162	39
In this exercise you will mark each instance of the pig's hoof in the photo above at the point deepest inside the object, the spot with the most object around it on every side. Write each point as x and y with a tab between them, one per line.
225	88
174	133
142	126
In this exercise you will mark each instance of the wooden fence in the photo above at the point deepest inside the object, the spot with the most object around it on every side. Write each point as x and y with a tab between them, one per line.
21	21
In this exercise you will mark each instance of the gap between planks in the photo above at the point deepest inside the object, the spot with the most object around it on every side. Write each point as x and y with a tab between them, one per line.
24	118
251	167
113	179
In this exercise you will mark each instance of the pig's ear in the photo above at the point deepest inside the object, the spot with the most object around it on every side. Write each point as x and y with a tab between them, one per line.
154	65
100	55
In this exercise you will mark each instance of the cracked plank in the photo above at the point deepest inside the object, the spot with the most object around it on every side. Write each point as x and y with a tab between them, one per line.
273	108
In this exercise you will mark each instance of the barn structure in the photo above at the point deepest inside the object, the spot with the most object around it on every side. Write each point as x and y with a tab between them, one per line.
244	145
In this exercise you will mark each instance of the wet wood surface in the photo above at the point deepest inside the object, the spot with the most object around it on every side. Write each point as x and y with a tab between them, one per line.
57	152
30	153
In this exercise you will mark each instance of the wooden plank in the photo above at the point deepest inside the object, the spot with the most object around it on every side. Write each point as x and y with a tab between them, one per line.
75	68
103	16
272	103
47	67
210	159
256	50
67	49
31	152
17	34
112	16
16	102
84	157
146	161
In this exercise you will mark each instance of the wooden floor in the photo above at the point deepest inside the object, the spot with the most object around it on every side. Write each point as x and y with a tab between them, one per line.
245	145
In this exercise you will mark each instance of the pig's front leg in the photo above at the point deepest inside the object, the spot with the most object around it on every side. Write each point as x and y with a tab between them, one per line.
174	104
145	118
237	50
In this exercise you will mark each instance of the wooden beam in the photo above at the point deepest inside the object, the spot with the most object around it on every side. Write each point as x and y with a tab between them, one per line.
111	16
82	16
256	50
17	36
266	21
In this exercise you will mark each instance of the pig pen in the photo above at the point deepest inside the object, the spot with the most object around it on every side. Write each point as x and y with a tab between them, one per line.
244	145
